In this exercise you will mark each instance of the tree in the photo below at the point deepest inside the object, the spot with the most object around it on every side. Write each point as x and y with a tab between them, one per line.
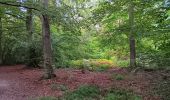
47	50
1	34
0	40
29	28
118	20
142	20
132	35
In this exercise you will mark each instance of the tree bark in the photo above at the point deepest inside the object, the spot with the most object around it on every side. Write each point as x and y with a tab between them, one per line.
29	28
132	35
31	59
47	50
0	40
29	24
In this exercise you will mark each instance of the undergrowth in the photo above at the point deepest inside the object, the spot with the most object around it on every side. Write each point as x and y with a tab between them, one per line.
88	92
91	92
97	64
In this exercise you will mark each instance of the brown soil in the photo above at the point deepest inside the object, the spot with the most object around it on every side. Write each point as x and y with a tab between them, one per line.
19	83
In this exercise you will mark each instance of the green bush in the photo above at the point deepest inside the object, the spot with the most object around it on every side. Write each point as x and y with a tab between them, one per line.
85	92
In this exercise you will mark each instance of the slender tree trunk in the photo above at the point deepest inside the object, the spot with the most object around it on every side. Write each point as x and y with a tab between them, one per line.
132	35
47	50
29	28
0	40
29	24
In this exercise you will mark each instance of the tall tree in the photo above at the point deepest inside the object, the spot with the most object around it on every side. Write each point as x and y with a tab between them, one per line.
32	60
132	35
29	28
0	40
47	50
1	32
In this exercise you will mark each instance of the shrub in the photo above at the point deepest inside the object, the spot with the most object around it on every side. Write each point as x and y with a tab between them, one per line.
85	92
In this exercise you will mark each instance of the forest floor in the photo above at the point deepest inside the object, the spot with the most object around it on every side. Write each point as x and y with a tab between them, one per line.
19	83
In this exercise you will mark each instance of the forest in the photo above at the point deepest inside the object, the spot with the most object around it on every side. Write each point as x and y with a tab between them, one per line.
84	49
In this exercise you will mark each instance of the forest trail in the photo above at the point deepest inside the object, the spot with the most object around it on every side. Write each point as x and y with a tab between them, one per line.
19	83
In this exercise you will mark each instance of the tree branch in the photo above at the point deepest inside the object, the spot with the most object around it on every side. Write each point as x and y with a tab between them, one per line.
18	5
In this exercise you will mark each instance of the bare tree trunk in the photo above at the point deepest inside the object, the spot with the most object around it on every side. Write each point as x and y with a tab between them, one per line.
0	40
132	35
29	25
29	28
47	50
32	55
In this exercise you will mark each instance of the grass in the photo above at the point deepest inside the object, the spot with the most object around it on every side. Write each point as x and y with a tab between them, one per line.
88	92
85	92
116	94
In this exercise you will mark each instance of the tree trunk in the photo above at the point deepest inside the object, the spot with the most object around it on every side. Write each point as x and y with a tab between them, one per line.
0	40
31	51
47	50
29	25
132	35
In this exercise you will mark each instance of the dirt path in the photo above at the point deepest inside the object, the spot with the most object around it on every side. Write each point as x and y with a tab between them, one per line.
18	83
